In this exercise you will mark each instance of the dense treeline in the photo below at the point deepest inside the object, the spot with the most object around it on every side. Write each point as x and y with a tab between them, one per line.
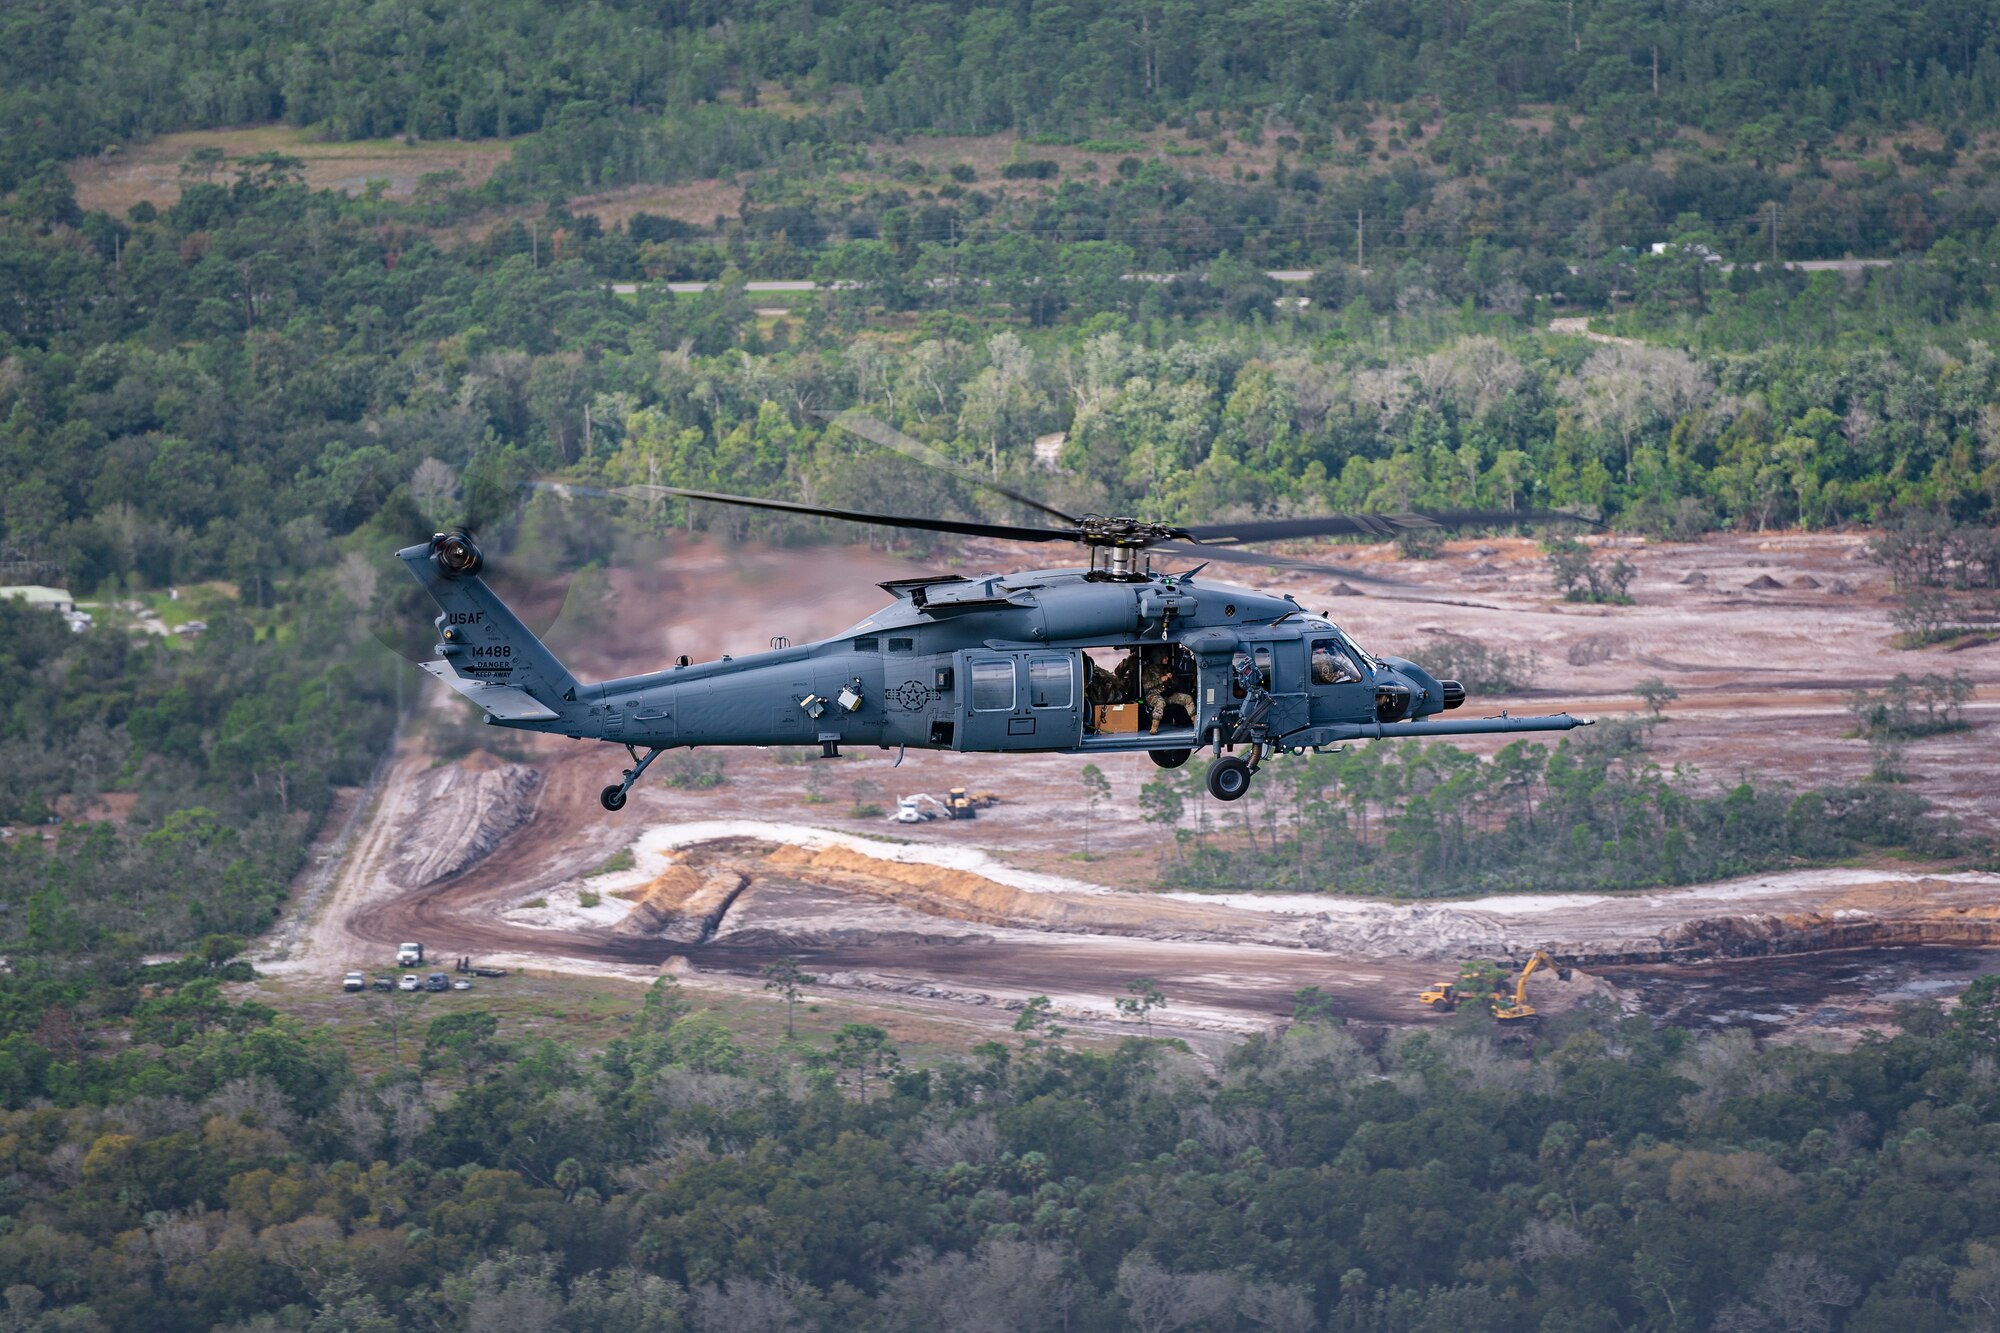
232	1170
1561	207
1782	71
1595	813
224	389
230	748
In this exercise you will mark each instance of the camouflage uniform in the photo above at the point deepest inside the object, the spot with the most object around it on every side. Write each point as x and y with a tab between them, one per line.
1160	692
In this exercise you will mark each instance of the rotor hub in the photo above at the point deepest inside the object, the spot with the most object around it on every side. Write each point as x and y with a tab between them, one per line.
1129	533
457	554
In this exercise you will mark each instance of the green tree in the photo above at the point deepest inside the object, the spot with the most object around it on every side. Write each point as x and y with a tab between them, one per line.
464	1041
1655	694
788	979
1142	997
1037	1025
1096	788
864	1054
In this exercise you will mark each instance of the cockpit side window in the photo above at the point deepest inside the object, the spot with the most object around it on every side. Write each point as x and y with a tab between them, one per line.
1333	664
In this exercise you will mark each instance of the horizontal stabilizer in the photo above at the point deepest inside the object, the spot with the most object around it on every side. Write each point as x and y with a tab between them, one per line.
507	703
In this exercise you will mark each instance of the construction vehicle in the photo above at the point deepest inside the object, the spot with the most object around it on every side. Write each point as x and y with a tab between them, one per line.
918	808
959	805
1442	996
1520	1011
1481	980
1477	979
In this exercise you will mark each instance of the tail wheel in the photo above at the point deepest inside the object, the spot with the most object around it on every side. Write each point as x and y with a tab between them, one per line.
1228	778
1170	758
612	798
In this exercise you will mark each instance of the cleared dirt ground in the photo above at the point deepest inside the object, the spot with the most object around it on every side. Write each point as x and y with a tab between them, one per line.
152	171
504	860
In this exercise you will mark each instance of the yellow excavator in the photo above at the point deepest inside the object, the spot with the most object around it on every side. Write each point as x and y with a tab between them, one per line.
1521	1011
1482	981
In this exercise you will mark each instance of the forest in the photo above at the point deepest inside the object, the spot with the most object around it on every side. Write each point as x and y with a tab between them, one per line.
1430	820
81	77
240	1175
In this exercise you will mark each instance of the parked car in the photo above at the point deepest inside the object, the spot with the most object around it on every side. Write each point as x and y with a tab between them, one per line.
461	984
409	955
354	981
410	981
437	981
385	983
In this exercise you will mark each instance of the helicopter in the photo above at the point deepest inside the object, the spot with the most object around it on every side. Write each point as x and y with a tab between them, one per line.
1112	656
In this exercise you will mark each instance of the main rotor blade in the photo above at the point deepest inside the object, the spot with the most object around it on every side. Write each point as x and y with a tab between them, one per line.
1373	525
1233	555
876	431
1004	531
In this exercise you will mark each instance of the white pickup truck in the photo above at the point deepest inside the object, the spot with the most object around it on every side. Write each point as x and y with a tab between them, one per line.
354	981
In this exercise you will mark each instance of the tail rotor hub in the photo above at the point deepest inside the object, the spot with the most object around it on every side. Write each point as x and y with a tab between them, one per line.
457	554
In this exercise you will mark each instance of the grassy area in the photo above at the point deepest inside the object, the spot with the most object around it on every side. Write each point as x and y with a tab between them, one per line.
617	861
585	1014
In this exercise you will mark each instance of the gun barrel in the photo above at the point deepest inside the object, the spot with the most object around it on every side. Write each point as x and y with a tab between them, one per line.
1471	726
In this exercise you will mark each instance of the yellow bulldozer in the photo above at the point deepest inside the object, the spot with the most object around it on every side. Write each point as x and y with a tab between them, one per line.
1482	980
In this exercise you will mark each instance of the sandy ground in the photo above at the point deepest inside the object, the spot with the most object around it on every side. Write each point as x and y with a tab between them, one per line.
1763	674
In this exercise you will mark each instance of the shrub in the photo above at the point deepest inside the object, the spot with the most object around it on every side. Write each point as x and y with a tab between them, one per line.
687	770
1580	578
1481	668
1034	168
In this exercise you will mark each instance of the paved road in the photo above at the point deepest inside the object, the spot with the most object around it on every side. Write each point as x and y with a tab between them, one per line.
1275	274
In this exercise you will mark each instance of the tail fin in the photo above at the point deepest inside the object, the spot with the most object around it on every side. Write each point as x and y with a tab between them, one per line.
484	651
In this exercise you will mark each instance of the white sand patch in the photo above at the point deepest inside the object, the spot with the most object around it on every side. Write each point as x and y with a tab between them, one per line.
1526	904
665	839
563	908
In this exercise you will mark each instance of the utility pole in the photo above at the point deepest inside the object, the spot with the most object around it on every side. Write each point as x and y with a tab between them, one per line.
1359	246
1774	233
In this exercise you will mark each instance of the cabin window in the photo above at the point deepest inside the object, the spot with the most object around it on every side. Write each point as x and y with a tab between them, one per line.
1332	664
1050	682
867	645
1263	656
902	645
992	687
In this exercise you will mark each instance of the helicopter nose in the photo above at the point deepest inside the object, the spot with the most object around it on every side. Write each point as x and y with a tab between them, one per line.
1454	693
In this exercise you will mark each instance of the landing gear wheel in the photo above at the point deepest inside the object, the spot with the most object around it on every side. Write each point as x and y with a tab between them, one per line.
612	798
1228	778
1170	758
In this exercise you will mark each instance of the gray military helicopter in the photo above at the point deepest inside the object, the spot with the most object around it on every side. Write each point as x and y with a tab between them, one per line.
1108	657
